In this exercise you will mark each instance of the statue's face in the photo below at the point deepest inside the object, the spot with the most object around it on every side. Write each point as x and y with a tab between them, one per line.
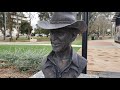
60	39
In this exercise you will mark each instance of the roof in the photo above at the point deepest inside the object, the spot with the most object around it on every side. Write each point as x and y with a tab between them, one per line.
115	16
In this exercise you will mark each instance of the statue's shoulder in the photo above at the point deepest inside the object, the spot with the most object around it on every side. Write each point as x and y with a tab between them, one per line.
82	61
79	60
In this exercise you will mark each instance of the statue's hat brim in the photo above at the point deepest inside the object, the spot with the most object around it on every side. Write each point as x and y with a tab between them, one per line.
80	25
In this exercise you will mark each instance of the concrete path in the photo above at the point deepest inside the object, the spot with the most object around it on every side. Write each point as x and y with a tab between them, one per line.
31	43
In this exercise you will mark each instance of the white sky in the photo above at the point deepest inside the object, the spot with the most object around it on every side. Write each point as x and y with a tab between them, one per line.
34	18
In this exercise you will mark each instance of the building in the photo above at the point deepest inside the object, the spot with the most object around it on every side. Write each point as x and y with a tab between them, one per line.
17	18
116	21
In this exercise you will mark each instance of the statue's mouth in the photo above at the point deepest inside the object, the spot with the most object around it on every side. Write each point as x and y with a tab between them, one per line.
56	44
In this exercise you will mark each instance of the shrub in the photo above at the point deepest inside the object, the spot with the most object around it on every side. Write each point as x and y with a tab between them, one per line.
25	60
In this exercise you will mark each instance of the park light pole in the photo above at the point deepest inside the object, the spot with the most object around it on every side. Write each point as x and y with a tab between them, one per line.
4	25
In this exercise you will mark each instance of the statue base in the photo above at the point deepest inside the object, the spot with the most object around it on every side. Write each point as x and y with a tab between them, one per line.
40	75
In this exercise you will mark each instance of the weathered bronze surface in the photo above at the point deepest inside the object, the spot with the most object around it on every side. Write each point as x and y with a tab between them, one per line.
63	62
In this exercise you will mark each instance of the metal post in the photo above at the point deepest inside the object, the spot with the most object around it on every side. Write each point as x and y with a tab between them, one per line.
84	40
17	21
111	30
115	31
4	25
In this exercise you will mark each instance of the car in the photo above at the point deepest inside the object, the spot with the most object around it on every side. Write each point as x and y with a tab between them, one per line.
7	35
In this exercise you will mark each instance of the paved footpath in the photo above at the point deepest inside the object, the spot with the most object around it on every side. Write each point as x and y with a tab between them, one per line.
45	43
103	56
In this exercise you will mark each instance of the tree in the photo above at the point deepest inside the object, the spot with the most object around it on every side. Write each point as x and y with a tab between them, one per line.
45	16
99	22
42	31
25	28
1	22
10	23
46	32
19	16
38	30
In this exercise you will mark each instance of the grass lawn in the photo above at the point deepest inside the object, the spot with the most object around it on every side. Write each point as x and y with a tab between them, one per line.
13	48
24	57
78	40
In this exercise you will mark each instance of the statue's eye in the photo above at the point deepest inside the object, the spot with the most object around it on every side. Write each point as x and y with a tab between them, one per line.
60	33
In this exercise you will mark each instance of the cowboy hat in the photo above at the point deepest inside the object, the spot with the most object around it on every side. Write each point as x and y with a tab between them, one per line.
63	19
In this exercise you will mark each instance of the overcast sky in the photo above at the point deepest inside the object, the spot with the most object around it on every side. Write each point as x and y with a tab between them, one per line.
34	18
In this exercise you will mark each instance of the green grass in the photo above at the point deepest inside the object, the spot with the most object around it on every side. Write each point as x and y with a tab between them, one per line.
25	57
42	38
13	48
38	38
78	40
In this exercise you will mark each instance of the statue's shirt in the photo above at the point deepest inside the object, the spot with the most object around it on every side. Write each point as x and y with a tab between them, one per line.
72	70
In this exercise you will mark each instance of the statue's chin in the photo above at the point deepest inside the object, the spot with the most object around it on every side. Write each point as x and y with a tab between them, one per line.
57	50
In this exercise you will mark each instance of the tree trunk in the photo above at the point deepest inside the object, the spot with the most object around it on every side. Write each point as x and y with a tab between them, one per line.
103	32
28	34
11	38
10	26
17	36
2	33
17	28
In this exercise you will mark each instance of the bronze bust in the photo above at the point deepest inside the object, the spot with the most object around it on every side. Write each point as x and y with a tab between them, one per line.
63	62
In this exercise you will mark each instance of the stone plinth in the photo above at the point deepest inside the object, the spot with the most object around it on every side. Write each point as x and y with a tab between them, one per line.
33	40
40	75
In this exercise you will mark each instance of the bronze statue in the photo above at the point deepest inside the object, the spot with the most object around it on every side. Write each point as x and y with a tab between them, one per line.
63	62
